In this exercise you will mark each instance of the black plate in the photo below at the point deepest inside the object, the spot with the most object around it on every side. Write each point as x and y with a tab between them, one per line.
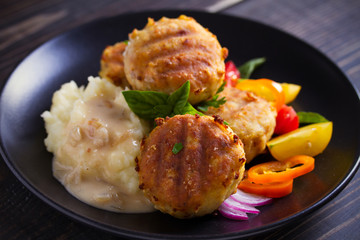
75	55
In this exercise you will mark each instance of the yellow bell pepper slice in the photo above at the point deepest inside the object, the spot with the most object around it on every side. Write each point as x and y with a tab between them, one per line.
310	140
291	91
265	88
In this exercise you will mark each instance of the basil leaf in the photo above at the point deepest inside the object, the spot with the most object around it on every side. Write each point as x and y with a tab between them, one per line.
189	109
162	111
249	67
310	117
203	107
177	148
179	98
142	103
150	98
150	105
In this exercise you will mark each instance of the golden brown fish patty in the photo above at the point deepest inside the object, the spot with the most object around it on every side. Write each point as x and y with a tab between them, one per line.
197	179
166	53
252	118
112	64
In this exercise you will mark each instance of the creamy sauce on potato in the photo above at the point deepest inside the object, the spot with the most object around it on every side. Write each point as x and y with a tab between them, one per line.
94	157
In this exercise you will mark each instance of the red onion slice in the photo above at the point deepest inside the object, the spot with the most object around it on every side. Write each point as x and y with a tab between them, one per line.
232	204
250	199
240	203
232	214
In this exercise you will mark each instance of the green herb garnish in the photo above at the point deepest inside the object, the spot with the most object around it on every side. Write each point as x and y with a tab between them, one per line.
214	101
177	148
150	104
249	67
310	117
221	88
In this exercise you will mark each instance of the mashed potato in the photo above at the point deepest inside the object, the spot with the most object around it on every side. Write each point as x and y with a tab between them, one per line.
95	139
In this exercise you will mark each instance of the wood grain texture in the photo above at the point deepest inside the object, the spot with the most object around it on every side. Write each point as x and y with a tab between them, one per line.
332	26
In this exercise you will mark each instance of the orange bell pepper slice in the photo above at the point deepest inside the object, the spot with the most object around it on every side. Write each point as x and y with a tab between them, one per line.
265	88
276	171
272	190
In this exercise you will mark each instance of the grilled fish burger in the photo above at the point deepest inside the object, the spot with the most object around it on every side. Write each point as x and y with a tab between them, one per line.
166	53
189	165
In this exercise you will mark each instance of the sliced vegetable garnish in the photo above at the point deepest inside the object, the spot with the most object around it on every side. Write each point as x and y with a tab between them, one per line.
310	140
232	213
286	120
231	203
240	203
249	67
310	117
250	199
265	88
291	91
232	74
286	170
272	190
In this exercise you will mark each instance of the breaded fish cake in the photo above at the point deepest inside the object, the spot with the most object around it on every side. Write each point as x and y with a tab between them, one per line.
112	64
197	179
252	118
166	53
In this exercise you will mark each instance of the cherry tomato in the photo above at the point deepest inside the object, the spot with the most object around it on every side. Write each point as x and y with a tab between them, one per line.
265	88
232	74
273	190
276	171
286	120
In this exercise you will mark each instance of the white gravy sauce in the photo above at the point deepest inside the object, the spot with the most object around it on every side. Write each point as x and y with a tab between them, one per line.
85	164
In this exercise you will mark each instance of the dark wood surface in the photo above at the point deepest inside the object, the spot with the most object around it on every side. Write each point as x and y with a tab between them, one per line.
330	25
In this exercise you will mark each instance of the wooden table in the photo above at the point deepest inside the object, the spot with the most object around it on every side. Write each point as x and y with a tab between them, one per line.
330	25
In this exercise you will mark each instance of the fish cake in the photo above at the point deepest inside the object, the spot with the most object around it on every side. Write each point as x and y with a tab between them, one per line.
252	118
197	179
112	64
166	53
